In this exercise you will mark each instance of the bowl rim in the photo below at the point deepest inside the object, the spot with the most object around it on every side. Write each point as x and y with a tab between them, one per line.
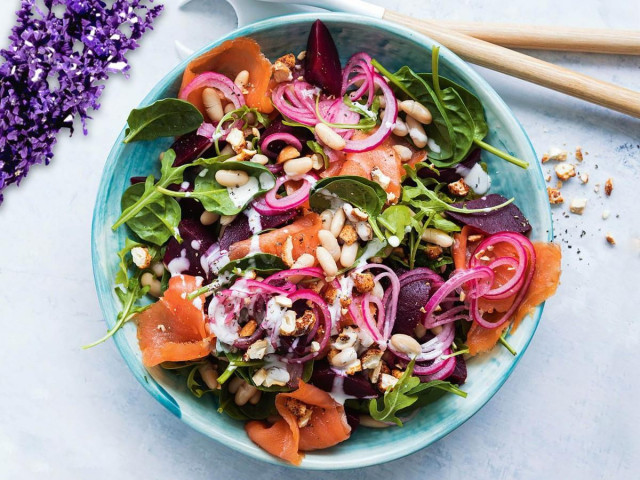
156	390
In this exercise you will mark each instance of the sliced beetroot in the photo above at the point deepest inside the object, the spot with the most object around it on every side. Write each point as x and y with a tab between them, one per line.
452	174
189	147
184	257
353	419
239	230
322	62
411	300
505	219
459	375
357	385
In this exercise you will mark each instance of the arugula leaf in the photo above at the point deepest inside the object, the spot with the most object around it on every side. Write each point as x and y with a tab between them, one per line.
222	200
164	118
407	395
364	194
395	219
395	399
264	263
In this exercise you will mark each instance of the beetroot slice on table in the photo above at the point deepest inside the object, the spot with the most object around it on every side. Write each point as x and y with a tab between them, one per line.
196	239
322	62
505	219
239	230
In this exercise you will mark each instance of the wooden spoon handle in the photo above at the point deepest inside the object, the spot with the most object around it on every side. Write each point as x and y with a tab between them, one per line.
626	42
527	68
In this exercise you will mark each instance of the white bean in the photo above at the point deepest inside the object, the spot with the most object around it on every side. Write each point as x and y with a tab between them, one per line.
416	110
255	398
227	150
317	161
348	254
227	219
326	261
326	216
229	107
330	243
337	222
244	393
400	128
242	79
404	153
260	158
234	384
232	178
209	375
148	279
298	166
406	344
212	104
209	218
304	261
416	132
437	237
329	137
158	269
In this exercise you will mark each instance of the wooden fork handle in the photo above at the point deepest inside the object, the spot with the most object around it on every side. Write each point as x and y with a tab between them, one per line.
525	67
626	42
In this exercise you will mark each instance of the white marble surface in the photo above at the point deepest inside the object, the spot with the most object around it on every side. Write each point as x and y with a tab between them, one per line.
568	411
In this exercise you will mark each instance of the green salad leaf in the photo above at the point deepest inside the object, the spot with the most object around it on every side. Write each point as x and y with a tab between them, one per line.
169	117
197	389
407	395
395	219
263	263
222	200
364	194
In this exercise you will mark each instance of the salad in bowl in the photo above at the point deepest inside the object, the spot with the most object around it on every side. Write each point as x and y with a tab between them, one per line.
322	246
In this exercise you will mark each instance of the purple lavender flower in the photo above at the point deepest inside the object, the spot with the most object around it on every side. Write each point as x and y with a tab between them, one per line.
54	72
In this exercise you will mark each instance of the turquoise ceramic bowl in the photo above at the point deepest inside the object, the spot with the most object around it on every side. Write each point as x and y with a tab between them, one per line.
394	46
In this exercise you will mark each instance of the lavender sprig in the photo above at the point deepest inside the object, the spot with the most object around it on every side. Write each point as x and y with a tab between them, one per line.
54	71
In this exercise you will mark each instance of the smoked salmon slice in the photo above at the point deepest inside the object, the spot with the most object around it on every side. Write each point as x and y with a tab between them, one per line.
229	59
303	232
384	157
285	439
544	283
173	328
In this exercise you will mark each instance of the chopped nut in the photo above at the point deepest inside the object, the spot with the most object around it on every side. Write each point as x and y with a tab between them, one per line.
433	251
584	178
579	156
288	323
608	186
304	323
391	198
282	68
330	294
249	328
548	177
287	153
364	231
554	154
277	376
555	196
386	382
141	257
259	377
565	171
397	373
578	205
345	301
459	188
296	407
380	178
363	282
474	238
371	358
374	375
287	252
354	368
315	346
610	239
235	138
302	55
257	350
283	301
348	235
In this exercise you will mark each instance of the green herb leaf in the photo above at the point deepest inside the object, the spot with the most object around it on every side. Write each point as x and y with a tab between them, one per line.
364	194
396	219
164	118
395	399
264	263
222	200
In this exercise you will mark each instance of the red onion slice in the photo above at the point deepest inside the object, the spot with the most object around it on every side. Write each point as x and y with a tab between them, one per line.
217	81
279	137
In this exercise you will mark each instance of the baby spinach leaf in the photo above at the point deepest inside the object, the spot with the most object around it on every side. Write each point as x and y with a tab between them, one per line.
158	220
224	201
146	211
263	409
164	118
264	263
364	194
461	122
193	385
